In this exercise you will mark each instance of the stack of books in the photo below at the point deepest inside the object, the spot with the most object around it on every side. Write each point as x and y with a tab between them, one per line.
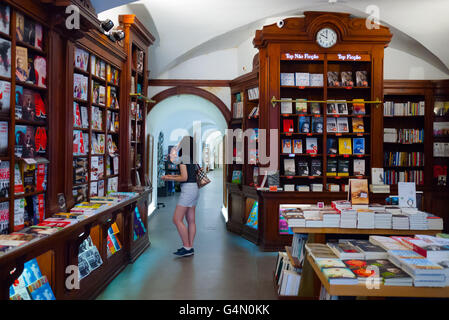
369	250
417	219
400	221
382	220
365	219
345	250
348	218
331	219
434	222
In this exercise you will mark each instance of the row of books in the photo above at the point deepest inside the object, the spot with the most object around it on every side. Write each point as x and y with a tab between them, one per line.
113	242
27	211
253	93
315	125
441	108
101	187
287	277
441	149
347	215
404	159
315	187
409	108
28	177
28	31
30	141
334	79
441	129
136	111
89	258
31	67
337	107
254	113
29	104
396	176
403	136
98	93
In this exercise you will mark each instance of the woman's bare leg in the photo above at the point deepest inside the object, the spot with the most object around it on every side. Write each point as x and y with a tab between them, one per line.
178	218
190	217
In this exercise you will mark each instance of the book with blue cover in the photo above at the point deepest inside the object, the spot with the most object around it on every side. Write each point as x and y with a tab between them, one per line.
304	124
317	124
358	145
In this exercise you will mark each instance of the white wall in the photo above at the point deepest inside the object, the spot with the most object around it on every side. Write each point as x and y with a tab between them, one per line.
246	53
402	65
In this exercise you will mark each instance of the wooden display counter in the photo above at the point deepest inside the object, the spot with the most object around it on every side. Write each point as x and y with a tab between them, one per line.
361	290
60	250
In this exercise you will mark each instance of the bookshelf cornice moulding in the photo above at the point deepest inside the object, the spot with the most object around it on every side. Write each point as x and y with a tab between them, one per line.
188	82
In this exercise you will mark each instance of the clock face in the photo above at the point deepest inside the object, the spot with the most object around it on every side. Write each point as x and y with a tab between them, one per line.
326	37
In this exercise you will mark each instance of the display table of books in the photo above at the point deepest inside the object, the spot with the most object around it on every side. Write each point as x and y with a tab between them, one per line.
93	241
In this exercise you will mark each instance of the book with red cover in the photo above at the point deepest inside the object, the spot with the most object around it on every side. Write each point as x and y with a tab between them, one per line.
288	125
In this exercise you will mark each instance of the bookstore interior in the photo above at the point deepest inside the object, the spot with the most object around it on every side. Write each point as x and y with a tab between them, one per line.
352	202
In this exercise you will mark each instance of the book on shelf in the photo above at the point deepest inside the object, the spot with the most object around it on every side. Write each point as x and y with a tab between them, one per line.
297	146
409	108
441	108
81	59
440	174
343	167
332	146
22	71
302	79
4	179
332	79
358	107
236	176
331	167
441	149
304	124
287	125
342	107
289	167
361	78
344	146
316	79
5	97
286	146
4	220
301	106
358	145
317	124
332	108
5	51
4	133
315	108
357	125
5	19
359	167
286	106
441	129
359	191
287	79
346	79
331	125
312	145
303	168
345	250
315	168
342	125
80	86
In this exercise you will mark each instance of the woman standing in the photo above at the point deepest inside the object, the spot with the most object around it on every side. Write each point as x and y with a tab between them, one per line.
189	194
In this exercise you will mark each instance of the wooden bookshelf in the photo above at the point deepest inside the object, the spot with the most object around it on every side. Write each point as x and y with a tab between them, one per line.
390	232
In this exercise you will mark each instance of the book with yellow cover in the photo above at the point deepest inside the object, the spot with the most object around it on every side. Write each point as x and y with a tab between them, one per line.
358	189
357	125
108	97
344	146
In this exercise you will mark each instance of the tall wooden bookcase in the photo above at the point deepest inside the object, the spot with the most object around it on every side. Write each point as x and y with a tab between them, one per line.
134	169
357	48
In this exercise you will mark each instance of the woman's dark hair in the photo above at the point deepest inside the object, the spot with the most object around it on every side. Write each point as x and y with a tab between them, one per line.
187	142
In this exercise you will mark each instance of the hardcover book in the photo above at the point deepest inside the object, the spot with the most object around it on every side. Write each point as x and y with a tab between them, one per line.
359	191
340	276
28	105
344	146
286	106
20	27
312	145
343	168
342	125
304	124
331	125
40	71
315	108
331	167
287	125
342	107
331	146
346	79
358	106
315	168
302	79
361	78
332	79
357	125
4	179
359	167
286	146
5	58
303	168
5	97
5	18
4	218
358	145
297	146
289	167
316	79
80	86
287	79
301	106
81	59
332	108
317	124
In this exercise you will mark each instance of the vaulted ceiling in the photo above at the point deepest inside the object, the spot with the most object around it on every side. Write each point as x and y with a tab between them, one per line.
189	28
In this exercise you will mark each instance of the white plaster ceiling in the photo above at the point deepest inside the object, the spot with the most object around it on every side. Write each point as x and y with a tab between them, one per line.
188	28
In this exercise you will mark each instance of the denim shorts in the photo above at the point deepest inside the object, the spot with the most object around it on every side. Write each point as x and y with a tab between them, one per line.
189	194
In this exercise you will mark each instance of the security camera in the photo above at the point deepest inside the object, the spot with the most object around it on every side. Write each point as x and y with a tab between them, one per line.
116	35
106	25
280	23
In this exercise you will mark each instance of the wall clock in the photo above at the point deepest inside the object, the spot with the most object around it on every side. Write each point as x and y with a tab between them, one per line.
326	37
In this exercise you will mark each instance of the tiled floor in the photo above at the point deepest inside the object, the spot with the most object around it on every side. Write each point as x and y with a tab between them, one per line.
225	266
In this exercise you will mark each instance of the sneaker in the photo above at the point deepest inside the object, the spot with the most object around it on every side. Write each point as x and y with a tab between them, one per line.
184	253
178	250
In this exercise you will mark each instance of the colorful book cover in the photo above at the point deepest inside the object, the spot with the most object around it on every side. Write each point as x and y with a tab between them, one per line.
346	79
331	124
39	35
40	69
286	146
304	124
359	191
342	125
21	64
4	135
358	106
288	125
357	125
331	146
297	146
4	217
361	78
343	168
358	145
5	97
301	106
5	58
317	124
312	145
5	18
20	26
344	146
